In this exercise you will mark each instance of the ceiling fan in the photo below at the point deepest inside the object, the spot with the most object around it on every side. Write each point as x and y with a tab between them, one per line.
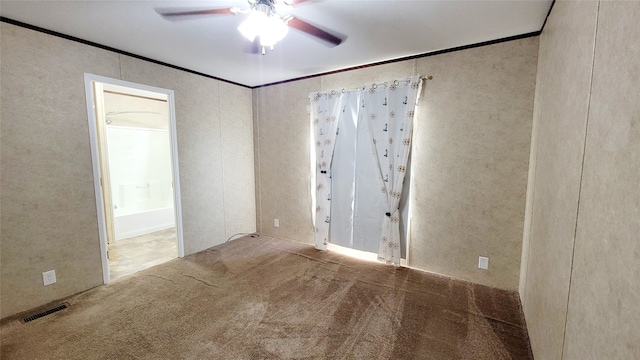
264	26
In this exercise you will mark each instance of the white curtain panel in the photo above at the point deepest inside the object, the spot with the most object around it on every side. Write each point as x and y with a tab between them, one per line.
343	167
389	111
326	109
370	203
358	206
361	164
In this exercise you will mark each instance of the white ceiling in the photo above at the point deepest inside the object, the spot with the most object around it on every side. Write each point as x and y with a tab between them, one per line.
375	30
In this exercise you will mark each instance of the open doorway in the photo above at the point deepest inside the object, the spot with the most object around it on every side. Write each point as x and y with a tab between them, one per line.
134	151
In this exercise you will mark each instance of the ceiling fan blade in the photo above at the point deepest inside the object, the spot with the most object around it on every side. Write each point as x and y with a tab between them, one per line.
315	31
172	15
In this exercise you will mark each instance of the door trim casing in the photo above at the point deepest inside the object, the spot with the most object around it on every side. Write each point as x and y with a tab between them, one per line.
89	79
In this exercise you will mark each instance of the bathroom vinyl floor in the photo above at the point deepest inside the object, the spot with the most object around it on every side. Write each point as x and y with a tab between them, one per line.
128	256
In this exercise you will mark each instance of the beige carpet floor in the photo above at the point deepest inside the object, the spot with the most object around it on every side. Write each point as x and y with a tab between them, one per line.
268	298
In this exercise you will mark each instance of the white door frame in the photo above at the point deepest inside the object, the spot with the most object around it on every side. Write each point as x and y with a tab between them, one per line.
89	80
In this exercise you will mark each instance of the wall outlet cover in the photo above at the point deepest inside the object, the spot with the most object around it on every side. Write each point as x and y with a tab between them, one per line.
483	263
49	277
276	222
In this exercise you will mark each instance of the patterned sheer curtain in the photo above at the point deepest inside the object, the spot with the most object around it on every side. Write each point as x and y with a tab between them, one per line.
390	111
376	124
326	109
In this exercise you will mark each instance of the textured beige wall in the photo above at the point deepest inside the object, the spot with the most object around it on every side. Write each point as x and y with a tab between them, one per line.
471	153
49	218
563	99
470	162
535	131
582	291
604	301
282	131
236	115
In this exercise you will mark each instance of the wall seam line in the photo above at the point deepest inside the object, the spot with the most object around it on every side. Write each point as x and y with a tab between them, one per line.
259	160
120	65
222	150
584	150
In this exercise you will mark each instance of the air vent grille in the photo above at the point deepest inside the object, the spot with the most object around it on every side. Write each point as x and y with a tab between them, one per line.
45	313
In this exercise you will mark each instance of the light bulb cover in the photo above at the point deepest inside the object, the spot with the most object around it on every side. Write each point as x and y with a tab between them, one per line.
269	28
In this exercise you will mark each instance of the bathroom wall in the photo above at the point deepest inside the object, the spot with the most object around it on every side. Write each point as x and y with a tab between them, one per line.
141	180
139	149
471	152
49	218
140	170
580	288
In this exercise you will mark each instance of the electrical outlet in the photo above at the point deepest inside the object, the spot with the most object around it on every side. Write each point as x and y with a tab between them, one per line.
49	277
276	222
483	263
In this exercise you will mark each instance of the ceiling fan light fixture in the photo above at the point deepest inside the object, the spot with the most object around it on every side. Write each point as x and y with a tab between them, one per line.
269	28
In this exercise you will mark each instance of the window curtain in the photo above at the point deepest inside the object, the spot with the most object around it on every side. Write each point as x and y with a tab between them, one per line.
366	173
389	111
326	110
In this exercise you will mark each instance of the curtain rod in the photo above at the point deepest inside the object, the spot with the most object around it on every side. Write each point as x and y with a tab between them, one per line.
113	113
386	83
133	95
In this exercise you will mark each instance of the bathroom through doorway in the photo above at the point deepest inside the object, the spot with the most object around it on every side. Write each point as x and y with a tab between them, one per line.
133	137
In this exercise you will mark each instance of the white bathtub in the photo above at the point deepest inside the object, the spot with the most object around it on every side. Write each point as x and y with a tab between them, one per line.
141	223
